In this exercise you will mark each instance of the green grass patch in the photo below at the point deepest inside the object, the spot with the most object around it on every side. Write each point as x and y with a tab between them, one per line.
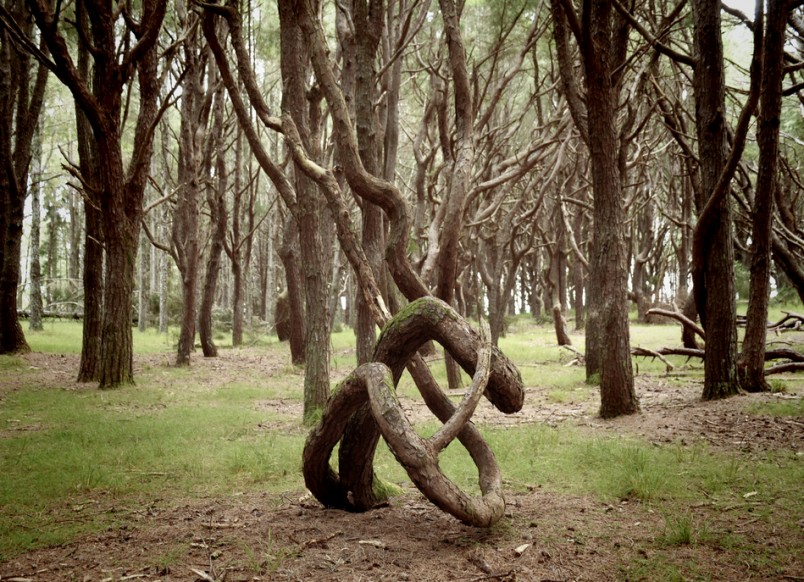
791	407
144	440
10	364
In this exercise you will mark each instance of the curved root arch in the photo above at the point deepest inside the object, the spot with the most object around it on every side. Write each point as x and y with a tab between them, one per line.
365	405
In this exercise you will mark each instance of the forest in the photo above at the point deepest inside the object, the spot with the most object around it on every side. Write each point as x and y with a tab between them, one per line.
213	180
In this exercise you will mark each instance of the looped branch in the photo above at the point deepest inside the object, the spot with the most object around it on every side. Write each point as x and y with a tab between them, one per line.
365	406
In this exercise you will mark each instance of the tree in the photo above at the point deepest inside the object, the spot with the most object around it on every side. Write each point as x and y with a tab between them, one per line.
751	363
120	185
216	201
195	108
88	176
602	38
22	91
37	178
713	248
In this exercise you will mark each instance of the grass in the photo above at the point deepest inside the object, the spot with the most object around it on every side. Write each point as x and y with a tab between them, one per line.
76	459
791	408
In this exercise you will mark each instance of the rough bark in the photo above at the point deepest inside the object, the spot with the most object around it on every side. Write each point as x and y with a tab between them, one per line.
368	19
22	89
122	185
92	278
750	365
417	323
713	260
192	135
608	313
289	255
216	201
309	214
36	307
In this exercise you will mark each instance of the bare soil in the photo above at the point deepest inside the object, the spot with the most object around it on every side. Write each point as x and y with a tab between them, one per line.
545	537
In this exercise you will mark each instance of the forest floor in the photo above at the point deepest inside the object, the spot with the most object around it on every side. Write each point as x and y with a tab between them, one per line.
546	535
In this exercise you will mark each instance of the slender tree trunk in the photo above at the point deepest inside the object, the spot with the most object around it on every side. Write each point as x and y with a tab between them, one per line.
368	18
216	200
295	71
289	255
35	321
164	288
578	279
751	364
89	367
142	285
92	278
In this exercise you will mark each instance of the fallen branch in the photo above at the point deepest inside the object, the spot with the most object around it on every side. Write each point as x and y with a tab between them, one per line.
786	367
580	358
646	353
790	322
680	317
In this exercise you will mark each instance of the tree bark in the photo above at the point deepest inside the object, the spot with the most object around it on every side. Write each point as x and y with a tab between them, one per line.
289	255
608	314
216	200
195	108
750	365
21	98
368	19
309	214
714	260
92	278
122	187
36	307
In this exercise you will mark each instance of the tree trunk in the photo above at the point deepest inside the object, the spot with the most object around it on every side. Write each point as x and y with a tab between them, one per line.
20	105
608	318
368	19
35	321
143	303
121	236
289	255
89	368
121	187
578	279
295	72
216	200
751	363
714	287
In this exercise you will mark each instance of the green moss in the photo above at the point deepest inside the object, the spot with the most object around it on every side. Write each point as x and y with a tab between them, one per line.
385	489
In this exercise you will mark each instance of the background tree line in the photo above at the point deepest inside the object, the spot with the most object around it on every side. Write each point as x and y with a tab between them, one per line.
204	163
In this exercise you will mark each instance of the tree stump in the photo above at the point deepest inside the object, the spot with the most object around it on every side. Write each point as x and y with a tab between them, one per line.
364	406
